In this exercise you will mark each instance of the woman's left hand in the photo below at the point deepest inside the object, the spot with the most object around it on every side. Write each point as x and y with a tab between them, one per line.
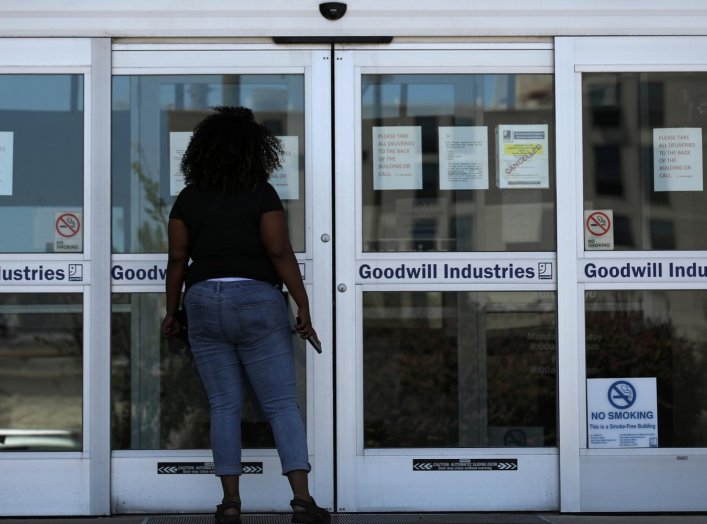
304	324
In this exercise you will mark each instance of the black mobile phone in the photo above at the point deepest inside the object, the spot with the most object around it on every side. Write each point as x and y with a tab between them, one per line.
315	344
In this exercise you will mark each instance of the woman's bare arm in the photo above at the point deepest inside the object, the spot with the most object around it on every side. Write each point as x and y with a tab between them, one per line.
177	260
275	238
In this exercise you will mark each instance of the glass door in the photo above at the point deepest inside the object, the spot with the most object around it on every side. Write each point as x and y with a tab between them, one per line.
445	279
160	426
641	272
46	415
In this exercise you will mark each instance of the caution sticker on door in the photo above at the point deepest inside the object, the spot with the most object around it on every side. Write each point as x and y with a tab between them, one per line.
203	468
465	464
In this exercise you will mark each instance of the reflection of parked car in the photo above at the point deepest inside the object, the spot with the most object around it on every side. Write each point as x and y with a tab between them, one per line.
39	440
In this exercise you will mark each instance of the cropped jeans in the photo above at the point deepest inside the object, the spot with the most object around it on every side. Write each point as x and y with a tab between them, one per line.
239	331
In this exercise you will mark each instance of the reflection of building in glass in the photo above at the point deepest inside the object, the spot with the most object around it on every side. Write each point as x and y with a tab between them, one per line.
658	333
40	113
41	353
621	111
472	218
456	369
148	113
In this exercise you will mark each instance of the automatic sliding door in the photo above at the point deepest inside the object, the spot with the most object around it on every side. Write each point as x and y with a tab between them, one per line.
161	443
447	380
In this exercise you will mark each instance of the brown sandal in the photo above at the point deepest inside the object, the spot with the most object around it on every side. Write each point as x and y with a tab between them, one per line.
221	517
307	511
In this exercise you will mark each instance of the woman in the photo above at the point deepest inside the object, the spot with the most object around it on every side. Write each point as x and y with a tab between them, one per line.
230	222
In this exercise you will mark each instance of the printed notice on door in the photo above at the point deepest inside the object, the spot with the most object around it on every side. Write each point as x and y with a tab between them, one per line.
397	157
622	412
6	155
522	156
178	142
677	159
286	179
463	157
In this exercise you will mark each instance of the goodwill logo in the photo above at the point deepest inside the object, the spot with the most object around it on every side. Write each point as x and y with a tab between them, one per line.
46	273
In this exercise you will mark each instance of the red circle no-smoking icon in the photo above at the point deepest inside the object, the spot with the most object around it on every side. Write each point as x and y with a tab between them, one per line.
68	225
598	223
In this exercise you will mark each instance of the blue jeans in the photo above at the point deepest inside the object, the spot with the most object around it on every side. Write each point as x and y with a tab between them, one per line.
240	331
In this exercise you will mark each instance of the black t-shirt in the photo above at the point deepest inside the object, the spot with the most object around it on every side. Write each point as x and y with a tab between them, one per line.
224	232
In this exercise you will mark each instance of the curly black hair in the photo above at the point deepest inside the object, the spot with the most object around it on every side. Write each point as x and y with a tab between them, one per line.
230	151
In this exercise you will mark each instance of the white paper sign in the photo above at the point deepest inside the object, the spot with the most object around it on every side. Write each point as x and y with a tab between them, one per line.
397	157
463	157
522	156
68	232
286	179
622	413
6	157
178	142
677	159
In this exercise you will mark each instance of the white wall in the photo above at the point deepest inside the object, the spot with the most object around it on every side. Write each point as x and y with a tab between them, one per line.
414	18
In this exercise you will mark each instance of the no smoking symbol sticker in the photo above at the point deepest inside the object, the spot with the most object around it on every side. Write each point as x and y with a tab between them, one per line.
622	394
68	225
598	223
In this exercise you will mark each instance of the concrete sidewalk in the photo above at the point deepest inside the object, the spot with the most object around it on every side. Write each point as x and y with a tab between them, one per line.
385	518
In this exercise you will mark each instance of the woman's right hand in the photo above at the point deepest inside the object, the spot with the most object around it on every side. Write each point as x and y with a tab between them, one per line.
170	326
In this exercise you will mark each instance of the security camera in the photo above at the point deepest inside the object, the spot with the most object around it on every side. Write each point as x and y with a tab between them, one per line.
332	10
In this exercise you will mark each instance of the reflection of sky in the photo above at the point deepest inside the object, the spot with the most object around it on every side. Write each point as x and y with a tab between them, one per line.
434	95
41	92
258	92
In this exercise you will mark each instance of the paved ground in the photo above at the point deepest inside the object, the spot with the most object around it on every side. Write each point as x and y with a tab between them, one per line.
388	518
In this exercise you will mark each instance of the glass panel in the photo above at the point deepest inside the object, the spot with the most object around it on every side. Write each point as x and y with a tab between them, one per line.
459	369
643	150
657	334
41	163
157	399
153	117
41	380
431	180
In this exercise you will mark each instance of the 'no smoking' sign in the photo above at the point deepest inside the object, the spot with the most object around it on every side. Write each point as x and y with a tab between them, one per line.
68	225
598	229
68	236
